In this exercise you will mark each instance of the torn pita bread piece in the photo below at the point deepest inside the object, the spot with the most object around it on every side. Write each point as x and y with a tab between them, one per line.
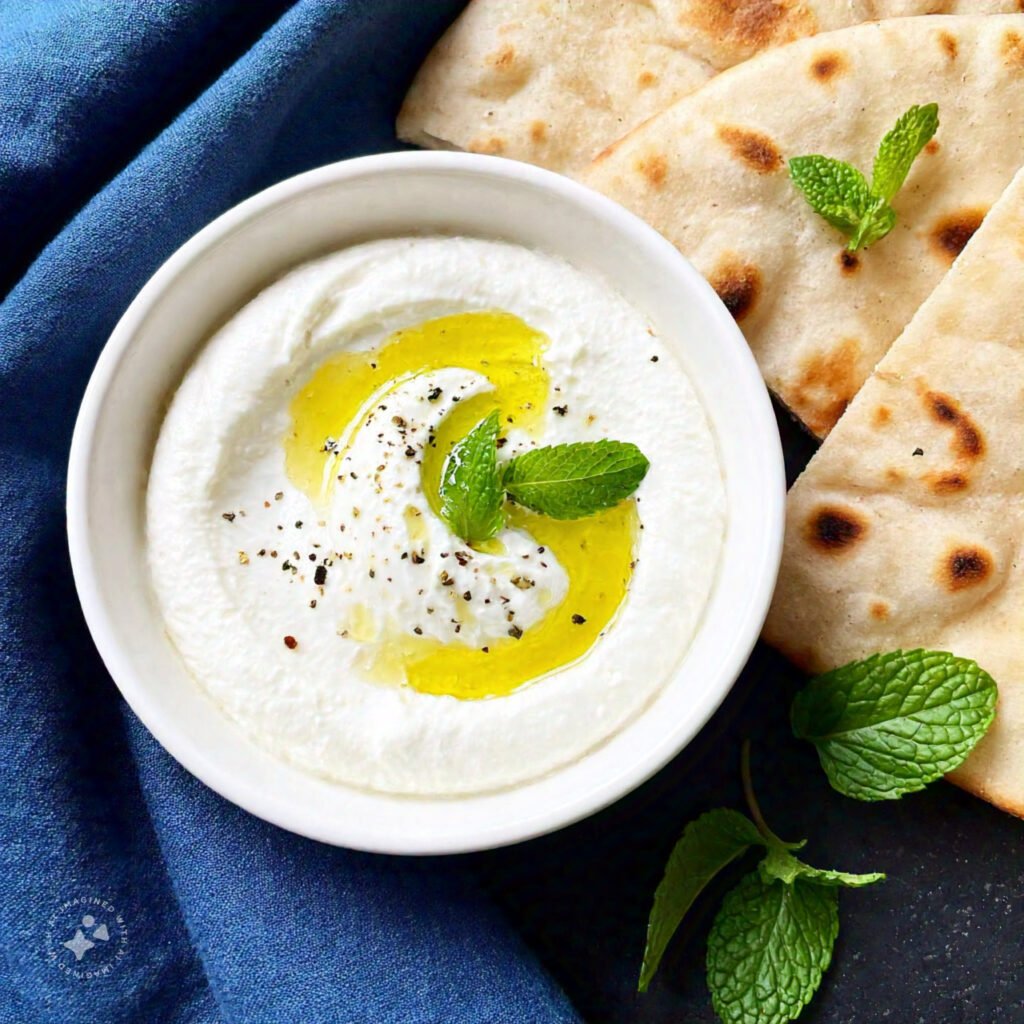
553	82
710	174
907	528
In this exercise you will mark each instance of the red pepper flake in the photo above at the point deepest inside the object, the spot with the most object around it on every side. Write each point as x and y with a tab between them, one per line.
578	619
515	632
291	643
654	359
417	630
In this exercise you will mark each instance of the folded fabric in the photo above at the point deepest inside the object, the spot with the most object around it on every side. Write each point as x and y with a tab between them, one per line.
128	891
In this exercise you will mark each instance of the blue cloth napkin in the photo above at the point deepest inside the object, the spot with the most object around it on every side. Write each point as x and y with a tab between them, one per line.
128	891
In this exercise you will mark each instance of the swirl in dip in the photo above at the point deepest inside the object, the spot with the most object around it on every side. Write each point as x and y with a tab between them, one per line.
301	566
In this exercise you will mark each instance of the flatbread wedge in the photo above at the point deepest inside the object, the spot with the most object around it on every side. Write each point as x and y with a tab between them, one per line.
553	82
710	174
907	527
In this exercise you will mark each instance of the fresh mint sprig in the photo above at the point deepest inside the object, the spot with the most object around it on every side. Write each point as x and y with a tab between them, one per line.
841	194
471	491
565	481
892	723
772	938
572	481
708	844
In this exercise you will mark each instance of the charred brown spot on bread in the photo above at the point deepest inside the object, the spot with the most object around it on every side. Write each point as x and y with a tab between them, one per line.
646	79
881	416
538	131
738	285
654	168
849	262
826	66
931	147
952	232
504	73
894	475
879	611
503	58
491	145
754	149
833	529
949	44
826	384
965	567
968	441
946	483
752	23
1012	48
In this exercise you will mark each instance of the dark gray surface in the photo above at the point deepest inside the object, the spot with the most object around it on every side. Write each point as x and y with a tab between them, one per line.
940	942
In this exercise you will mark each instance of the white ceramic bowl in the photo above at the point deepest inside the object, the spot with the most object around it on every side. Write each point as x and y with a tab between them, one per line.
222	267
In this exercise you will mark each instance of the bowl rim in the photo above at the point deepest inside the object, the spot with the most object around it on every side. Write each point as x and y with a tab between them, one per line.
354	834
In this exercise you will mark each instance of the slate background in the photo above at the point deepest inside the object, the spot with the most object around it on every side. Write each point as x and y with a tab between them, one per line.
940	942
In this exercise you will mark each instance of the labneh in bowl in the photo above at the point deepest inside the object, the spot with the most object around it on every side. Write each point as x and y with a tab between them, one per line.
208	280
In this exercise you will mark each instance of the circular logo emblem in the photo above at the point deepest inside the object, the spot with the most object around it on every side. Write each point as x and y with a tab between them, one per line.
86	937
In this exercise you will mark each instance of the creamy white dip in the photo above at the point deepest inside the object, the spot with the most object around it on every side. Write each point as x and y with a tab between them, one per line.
230	538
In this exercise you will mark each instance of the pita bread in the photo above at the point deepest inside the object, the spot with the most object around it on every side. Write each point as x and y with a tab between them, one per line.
553	82
907	528
710	174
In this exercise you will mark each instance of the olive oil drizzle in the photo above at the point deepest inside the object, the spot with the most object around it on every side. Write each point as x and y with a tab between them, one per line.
596	553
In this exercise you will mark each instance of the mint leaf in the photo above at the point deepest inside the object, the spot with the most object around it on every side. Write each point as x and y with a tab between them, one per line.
900	148
571	481
834	189
471	492
875	224
768	949
707	845
783	866
839	192
891	724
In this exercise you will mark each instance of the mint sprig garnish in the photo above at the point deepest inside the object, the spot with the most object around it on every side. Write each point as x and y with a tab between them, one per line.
769	946
565	481
571	481
772	938
708	844
471	491
841	194
890	724
900	148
